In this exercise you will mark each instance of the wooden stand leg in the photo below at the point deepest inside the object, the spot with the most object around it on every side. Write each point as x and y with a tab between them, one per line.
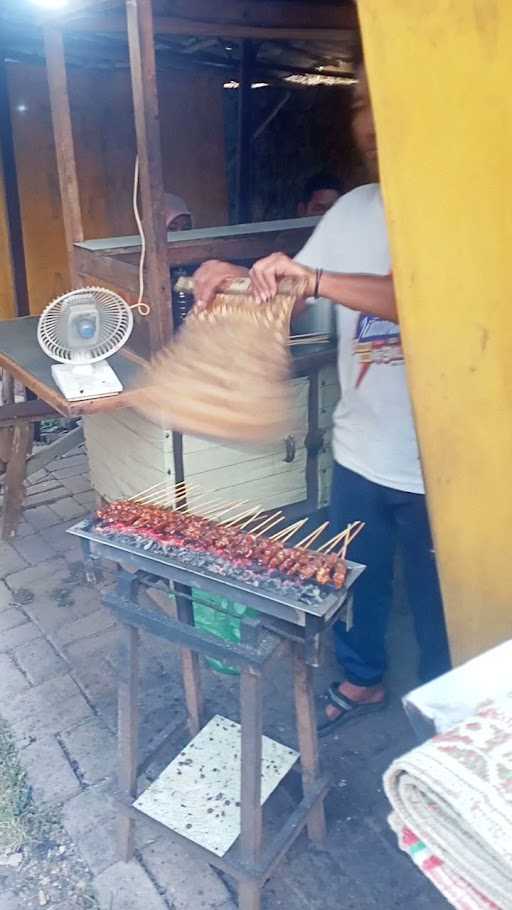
190	666
14	490
127	734
308	740
251	707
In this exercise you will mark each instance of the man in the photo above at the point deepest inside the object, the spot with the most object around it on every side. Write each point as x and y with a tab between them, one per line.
377	476
320	193
177	214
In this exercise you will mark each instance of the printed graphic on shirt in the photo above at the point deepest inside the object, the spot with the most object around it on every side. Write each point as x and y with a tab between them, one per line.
376	341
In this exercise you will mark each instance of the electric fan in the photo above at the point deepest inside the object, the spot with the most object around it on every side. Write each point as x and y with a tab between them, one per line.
80	330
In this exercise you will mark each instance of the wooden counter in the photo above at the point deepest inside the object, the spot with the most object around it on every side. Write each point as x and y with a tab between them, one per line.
22	357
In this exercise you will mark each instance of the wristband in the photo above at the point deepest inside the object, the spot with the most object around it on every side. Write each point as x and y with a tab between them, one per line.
318	278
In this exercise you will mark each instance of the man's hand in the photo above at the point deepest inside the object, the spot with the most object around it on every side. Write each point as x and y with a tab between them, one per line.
266	273
210	278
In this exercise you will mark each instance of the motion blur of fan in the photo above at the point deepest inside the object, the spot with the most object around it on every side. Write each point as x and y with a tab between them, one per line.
80	330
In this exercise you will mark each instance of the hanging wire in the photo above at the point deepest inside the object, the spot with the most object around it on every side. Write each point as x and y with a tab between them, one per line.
143	308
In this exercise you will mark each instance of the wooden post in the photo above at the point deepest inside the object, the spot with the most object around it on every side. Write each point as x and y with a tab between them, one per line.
64	148
147	126
14	490
251	716
244	159
12	199
308	740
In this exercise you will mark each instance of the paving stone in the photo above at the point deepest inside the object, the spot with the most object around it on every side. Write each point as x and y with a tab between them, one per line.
34	549
5	596
11	901
65	462
68	508
91	819
10	560
40	661
87	499
126	886
93	749
53	706
23	529
41	517
64	606
64	543
19	636
11	618
45	484
41	577
185	881
35	478
77	484
49	771
94	624
12	680
45	497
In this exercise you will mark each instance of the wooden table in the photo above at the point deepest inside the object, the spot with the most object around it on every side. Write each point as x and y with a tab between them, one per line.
22	358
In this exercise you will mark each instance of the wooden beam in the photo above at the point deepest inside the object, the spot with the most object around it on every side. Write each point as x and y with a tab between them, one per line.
171	25
272	13
12	198
63	136
33	411
141	42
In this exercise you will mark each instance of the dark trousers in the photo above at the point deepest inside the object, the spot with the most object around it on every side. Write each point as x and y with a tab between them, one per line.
392	517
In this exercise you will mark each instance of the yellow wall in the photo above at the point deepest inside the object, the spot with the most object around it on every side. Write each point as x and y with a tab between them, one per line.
192	126
440	78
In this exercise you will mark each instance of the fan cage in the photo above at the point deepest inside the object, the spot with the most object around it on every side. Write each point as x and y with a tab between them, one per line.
116	323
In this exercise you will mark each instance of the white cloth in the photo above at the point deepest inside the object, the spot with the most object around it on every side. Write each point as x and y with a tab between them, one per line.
374	431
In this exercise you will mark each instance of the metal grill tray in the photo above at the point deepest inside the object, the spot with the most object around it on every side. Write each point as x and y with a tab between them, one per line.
273	602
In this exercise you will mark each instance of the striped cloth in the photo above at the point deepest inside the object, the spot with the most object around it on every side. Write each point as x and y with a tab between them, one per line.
452	808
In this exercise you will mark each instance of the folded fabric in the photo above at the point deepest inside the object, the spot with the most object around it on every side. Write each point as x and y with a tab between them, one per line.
452	808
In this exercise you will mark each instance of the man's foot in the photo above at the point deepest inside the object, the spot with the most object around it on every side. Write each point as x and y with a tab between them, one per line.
346	702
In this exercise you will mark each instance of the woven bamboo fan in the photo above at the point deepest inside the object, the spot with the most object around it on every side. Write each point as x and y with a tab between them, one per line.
225	374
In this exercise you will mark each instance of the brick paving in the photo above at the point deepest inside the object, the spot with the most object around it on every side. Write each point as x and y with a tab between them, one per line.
58	659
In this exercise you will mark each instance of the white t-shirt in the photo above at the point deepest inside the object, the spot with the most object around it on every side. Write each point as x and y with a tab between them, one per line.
374	431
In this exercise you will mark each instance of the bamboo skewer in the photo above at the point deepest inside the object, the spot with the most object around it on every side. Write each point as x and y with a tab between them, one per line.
288	532
310	538
231	522
352	534
229	508
211	513
156	490
252	518
269	518
333	542
267	527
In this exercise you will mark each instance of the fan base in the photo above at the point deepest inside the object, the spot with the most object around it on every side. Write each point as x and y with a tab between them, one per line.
80	382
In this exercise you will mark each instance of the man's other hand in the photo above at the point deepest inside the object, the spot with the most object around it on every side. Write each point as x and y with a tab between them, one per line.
211	277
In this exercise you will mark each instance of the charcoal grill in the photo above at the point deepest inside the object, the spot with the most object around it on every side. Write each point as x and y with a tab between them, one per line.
283	622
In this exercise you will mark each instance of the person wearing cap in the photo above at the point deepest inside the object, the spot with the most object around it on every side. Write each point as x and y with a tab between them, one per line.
177	213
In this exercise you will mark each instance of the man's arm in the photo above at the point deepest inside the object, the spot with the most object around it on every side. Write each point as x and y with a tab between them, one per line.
372	294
